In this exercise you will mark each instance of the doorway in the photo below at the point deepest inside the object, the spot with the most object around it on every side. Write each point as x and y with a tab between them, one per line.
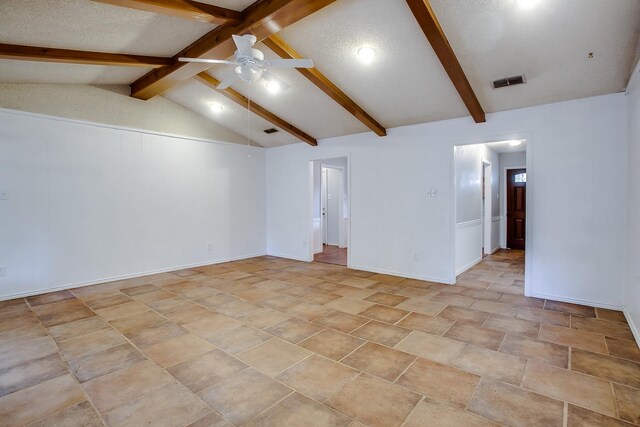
482	258
331	205
330	211
516	208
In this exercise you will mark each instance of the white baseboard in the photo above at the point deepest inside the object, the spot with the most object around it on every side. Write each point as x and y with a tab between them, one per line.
293	257
468	266
634	329
405	275
496	249
576	301
124	277
374	270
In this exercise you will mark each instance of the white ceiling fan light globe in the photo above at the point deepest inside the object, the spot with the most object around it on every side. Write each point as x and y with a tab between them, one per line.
249	72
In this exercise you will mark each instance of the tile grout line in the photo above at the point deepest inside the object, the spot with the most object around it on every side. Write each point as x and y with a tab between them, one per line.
164	369
415	359
615	400
422	399
66	364
356	349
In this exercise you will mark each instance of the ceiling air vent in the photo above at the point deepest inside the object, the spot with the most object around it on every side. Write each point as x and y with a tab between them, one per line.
508	81
270	131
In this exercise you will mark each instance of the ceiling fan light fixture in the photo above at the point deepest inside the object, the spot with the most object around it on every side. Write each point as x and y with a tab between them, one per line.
274	86
367	54
249	72
216	107
528	4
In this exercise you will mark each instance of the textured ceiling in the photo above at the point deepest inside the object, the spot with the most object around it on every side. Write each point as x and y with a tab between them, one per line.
198	97
405	84
549	43
504	147
87	25
49	72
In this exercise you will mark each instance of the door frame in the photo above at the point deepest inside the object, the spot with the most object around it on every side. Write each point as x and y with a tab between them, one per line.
340	205
309	242
529	249
503	214
487	220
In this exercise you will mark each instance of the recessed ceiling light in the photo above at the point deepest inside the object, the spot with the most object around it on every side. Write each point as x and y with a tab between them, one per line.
216	107
515	142
528	4
367	54
274	86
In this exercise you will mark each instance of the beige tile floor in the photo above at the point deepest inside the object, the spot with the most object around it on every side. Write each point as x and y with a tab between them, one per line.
269	341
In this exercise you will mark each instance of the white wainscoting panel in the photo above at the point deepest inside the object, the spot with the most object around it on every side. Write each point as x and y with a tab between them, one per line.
468	245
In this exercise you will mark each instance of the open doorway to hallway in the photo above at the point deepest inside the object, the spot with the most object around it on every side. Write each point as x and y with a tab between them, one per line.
330	210
490	215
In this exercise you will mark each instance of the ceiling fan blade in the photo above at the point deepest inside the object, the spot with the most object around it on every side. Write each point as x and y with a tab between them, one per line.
207	61
290	63
226	82
243	44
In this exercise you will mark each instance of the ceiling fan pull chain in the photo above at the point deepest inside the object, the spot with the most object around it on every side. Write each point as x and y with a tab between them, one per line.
249	123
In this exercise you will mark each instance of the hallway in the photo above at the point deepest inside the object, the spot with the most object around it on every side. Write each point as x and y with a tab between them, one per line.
332	255
501	272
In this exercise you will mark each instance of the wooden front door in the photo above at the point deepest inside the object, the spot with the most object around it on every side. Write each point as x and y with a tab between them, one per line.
516	208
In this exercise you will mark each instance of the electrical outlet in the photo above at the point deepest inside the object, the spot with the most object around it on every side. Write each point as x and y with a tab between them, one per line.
210	247
304	244
4	195
3	271
416	257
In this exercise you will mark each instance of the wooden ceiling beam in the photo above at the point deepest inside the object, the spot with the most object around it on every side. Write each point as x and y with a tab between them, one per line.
431	27
46	54
262	19
282	49
187	9
240	99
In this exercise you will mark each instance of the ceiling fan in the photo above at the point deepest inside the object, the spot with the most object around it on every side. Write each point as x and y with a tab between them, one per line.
250	63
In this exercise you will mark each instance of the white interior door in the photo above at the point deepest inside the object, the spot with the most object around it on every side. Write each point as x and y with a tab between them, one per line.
332	197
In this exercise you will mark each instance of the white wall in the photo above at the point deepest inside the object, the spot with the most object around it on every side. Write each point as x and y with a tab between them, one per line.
507	160
577	160
468	189
632	283
89	203
468	171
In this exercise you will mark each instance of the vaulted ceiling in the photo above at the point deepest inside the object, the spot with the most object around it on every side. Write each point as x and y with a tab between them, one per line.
567	49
